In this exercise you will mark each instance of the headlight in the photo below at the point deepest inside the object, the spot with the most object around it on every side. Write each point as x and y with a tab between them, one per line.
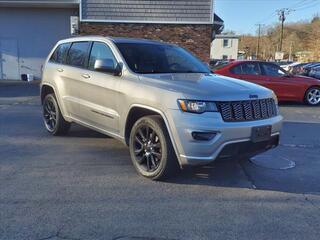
274	96
276	102
195	106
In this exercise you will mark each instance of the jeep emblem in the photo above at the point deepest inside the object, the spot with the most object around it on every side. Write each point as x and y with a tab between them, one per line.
253	96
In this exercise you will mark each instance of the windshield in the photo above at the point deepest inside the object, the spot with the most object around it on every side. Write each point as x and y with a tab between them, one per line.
147	58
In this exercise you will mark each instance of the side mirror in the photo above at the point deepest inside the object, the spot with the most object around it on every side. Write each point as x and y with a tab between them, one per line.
288	75
107	65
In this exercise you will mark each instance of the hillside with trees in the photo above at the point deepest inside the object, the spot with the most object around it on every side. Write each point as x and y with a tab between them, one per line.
301	41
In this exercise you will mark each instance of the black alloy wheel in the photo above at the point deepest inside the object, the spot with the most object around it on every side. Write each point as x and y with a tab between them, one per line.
49	114
151	150
52	117
147	148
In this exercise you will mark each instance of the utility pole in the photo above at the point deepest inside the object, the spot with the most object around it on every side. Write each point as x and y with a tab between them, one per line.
258	43
290	52
282	17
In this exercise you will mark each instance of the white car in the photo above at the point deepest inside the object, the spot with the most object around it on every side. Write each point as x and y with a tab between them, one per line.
287	67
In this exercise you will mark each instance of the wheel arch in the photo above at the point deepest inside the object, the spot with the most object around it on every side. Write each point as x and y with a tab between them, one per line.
308	88
47	88
137	111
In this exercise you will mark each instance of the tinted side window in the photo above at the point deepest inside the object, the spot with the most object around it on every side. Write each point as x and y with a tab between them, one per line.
272	70
250	68
236	69
78	53
59	55
100	51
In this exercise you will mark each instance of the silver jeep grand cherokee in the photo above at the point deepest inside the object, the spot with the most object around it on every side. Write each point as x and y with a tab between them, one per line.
158	99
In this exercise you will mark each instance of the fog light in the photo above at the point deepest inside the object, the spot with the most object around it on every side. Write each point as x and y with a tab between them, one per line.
203	136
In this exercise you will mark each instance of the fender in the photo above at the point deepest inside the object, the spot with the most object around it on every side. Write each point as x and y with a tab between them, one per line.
166	122
56	93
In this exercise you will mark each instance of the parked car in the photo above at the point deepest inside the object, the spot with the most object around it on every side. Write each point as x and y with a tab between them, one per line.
315	72
158	99
216	64
284	64
307	68
287	87
288	67
297	69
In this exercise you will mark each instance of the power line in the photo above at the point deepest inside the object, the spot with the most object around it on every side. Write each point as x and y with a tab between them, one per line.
306	7
268	17
300	4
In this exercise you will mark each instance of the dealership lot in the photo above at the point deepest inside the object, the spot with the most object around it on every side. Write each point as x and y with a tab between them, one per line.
83	186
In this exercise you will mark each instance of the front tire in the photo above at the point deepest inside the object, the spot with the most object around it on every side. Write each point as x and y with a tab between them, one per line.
52	117
151	149
312	96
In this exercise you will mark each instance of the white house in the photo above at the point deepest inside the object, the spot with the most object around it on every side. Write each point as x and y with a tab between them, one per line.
224	47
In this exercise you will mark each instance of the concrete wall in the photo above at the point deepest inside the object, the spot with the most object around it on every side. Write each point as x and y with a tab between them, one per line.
35	31
218	50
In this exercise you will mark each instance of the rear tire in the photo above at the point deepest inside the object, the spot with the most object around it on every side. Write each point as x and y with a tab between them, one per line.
151	149
312	96
52	117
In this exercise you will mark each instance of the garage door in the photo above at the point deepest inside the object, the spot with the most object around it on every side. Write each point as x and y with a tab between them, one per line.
9	60
27	35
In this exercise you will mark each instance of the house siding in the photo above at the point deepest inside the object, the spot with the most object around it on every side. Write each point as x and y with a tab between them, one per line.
160	11
218	50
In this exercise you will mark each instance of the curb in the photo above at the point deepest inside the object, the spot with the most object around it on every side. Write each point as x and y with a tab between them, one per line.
18	82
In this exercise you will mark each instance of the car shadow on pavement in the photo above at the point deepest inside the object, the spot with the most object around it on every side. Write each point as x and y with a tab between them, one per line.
230	173
82	132
246	174
221	173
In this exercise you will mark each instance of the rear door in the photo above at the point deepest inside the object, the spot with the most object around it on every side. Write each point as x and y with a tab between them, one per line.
72	76
55	69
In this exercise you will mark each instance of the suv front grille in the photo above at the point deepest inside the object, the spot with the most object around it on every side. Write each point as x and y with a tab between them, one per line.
238	111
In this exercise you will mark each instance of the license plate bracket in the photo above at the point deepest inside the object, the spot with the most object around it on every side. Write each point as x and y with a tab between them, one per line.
261	133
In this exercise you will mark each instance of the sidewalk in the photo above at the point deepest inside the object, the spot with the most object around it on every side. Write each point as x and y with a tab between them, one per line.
15	92
17	82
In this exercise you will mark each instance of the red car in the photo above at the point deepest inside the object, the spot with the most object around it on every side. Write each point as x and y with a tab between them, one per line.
287	87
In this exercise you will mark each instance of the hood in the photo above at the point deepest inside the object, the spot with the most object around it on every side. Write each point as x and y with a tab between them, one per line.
199	86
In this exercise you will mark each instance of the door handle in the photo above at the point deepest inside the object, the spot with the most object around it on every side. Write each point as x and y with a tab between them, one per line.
85	75
59	69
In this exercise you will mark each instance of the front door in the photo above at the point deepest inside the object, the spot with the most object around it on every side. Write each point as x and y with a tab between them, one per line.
249	71
99	91
9	59
276	79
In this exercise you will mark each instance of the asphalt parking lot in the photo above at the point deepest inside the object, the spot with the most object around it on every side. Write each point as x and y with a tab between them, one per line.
83	186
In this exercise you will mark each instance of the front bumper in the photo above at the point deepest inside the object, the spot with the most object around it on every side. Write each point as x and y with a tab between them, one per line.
231	139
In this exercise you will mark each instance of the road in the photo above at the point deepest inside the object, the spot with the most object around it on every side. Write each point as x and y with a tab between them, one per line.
83	186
